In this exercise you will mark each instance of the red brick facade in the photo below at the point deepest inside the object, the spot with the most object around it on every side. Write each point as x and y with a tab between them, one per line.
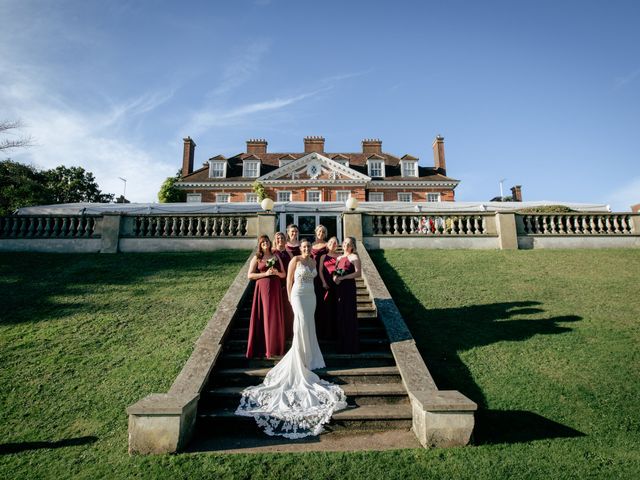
365	175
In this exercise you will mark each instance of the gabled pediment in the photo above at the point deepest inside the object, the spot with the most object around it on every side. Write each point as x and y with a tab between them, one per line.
288	156
314	167
408	157
251	157
375	156
218	157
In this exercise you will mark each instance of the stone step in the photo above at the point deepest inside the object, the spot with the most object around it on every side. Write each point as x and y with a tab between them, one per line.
342	360
243	319
340	376
364	331
326	346
366	417
357	394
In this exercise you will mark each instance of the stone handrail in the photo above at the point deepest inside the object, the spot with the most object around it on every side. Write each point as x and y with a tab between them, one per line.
427	224
207	226
575	224
50	226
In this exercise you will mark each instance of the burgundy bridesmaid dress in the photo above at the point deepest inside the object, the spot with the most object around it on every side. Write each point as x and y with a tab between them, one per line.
347	310
288	312
326	325
294	251
320	315
266	327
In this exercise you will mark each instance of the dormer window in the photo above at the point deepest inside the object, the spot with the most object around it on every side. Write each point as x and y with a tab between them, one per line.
376	168
217	169
342	160
251	168
409	168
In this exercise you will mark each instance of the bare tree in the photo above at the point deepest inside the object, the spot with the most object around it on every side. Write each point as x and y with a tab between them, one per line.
6	127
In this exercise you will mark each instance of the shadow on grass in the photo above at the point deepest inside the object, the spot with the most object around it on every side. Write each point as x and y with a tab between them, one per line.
8	448
31	284
441	334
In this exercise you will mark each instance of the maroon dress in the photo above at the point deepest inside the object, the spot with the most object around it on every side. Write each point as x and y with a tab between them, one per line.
288	312
266	327
347	310
294	251
320	315
326	325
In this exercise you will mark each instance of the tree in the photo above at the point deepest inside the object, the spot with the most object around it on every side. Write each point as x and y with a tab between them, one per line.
6	127
21	186
72	185
169	193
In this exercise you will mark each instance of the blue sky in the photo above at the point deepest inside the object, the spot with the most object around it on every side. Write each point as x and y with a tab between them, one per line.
544	94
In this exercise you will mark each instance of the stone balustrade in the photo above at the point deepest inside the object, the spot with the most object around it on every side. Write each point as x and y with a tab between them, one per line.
49	226
145	226
429	224
576	224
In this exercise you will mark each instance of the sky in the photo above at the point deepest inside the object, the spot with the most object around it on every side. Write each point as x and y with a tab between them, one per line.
543	94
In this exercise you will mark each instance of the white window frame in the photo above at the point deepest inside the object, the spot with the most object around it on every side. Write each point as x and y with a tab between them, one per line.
410	197
370	168
281	197
251	197
310	192
409	163
250	163
345	194
377	194
194	197
220	197
216	163
437	195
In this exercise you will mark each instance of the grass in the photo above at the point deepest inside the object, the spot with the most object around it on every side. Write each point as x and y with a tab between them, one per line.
545	341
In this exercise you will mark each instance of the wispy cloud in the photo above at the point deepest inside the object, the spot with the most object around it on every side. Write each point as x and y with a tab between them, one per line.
243	67
620	82
206	119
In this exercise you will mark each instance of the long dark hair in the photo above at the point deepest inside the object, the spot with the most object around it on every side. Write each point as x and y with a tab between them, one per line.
260	253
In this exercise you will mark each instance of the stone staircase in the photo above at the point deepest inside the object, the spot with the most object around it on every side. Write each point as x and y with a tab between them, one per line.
375	393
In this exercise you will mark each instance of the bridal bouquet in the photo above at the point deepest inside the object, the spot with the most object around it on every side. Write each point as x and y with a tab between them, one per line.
340	272
271	262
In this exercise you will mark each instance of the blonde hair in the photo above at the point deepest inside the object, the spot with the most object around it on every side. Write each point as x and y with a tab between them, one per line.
323	229
354	247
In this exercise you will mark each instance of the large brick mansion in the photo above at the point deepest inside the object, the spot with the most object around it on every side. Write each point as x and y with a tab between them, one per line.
315	175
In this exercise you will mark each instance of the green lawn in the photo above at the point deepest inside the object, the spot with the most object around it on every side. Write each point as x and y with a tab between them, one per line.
547	343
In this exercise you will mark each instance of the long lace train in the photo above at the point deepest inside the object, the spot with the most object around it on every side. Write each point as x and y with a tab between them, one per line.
294	402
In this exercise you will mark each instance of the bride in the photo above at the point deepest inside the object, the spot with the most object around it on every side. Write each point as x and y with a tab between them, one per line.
294	402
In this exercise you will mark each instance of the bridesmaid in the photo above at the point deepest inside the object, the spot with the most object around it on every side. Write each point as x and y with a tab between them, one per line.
280	250
293	242
318	249
327	326
347	270
266	327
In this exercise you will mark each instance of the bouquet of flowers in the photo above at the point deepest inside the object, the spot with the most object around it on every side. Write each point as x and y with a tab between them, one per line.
340	272
271	262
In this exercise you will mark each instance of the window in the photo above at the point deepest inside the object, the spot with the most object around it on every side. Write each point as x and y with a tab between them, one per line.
342	195
284	196
218	169
433	197
194	197
251	197
409	169
376	168
314	196
251	169
222	197
404	197
342	161
376	196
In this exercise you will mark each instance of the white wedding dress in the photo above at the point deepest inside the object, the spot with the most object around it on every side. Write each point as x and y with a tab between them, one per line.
294	402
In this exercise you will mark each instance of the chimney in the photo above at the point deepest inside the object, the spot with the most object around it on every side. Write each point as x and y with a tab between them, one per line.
187	156
257	146
438	155
371	145
516	193
313	144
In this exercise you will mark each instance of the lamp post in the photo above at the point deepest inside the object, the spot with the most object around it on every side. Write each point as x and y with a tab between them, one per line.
351	203
501	194
124	194
267	204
